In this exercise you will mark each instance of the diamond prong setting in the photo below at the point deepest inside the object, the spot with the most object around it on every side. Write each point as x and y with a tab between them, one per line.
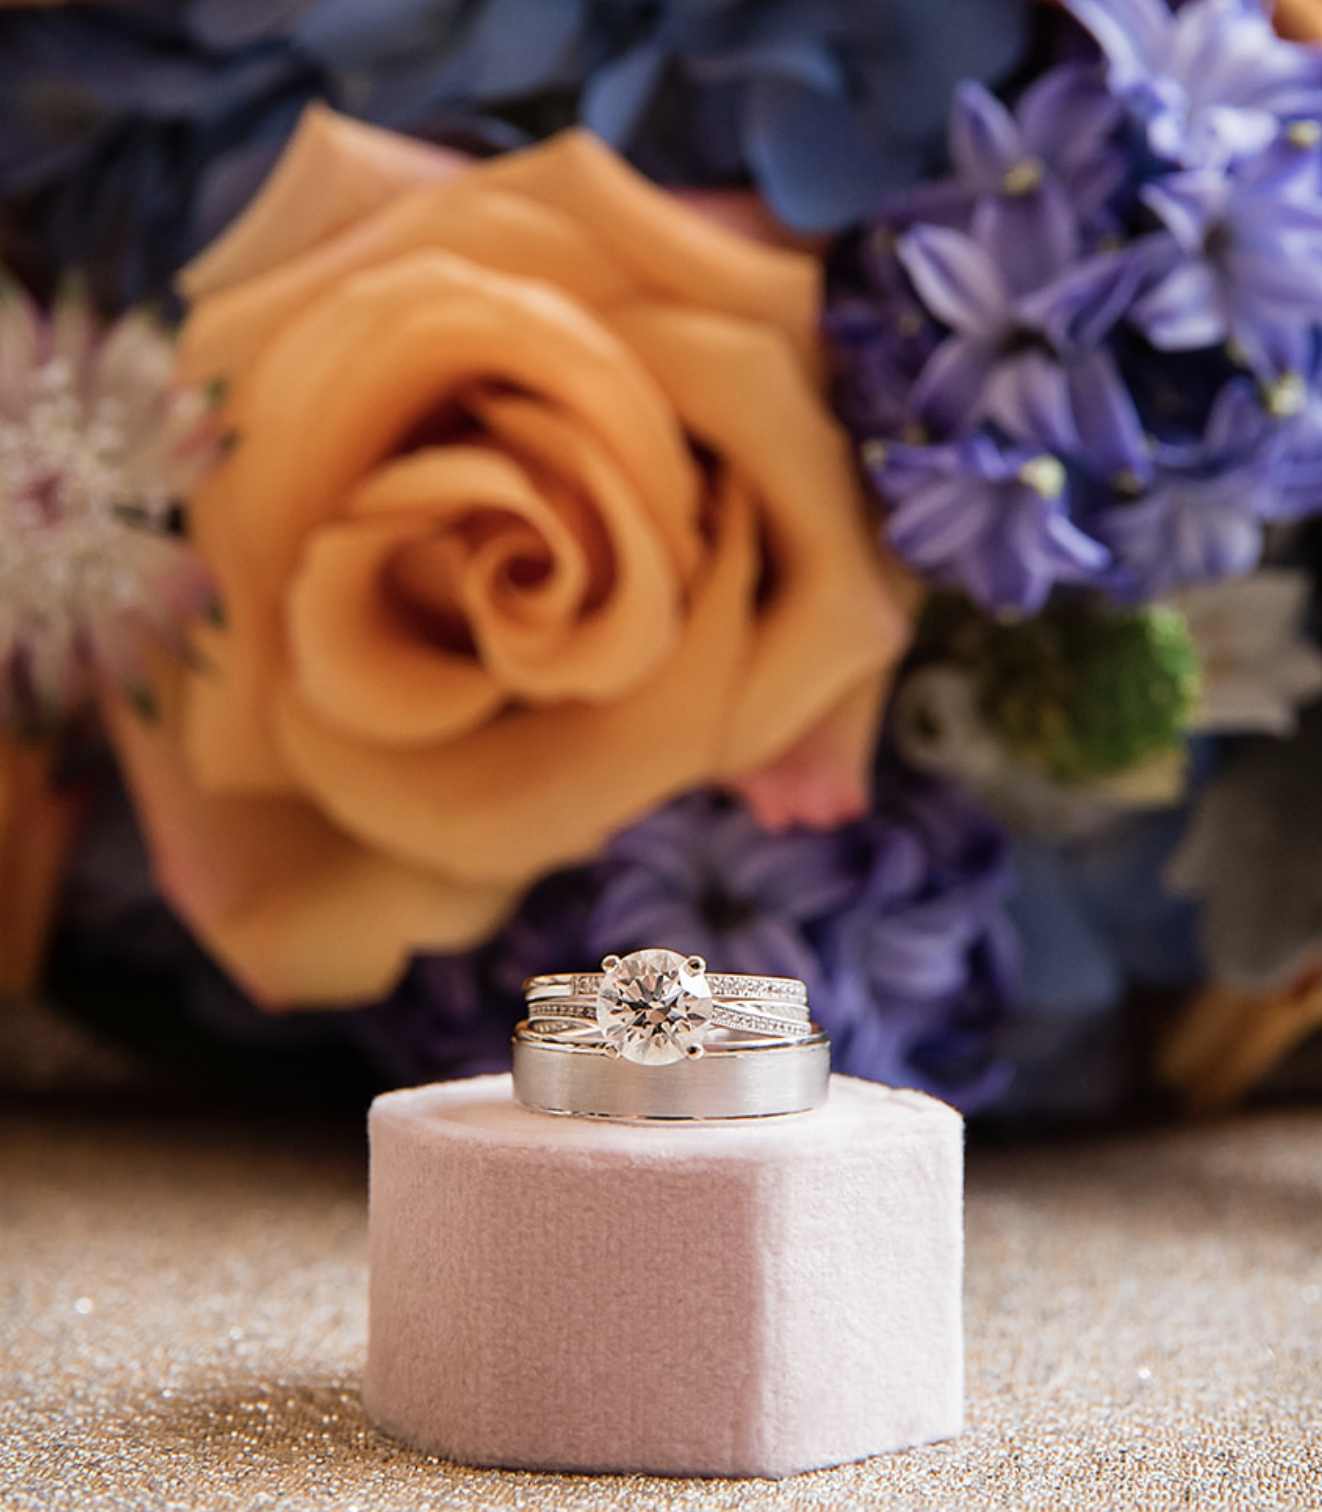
654	1006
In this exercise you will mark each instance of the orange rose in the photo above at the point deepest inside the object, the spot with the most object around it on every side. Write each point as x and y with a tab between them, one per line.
1300	20
536	517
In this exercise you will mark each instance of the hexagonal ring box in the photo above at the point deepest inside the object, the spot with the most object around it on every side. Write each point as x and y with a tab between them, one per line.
728	1298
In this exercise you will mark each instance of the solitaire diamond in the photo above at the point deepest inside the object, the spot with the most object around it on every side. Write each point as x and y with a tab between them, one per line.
653	1006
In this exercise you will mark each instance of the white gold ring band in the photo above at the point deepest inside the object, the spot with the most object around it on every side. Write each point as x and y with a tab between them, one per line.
750	1018
753	1079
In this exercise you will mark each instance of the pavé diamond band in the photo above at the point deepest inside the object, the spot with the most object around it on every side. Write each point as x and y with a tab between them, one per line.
653	1040
722	985
740	1015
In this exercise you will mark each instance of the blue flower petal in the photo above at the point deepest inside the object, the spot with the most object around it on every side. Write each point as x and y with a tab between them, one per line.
618	94
937	524
817	172
1187	204
917	51
1278	279
1079	309
1068	965
225	24
797	57
514	47
347	34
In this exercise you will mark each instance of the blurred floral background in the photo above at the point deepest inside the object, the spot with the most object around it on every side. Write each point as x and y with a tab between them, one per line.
486	483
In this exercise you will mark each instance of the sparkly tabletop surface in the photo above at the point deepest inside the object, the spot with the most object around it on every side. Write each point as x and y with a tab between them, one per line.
183	1325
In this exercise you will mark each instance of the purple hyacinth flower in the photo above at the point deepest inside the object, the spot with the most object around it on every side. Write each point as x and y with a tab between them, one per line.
1210	83
923	967
881	337
1185	530
991	518
893	923
1245	254
1200	515
1062	130
439	1021
1016	285
1295	400
701	876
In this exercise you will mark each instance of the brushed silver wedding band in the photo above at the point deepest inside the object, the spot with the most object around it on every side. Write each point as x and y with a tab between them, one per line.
752	1079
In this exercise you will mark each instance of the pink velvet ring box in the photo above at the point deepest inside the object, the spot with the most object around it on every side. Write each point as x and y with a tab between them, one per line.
747	1297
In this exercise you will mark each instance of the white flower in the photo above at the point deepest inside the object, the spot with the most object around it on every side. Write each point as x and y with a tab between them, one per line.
97	449
938	728
1257	665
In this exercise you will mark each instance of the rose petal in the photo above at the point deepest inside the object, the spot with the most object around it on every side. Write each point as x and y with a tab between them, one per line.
673	252
636	228
618	641
333	172
296	910
819	782
1300	20
830	608
497	230
361	664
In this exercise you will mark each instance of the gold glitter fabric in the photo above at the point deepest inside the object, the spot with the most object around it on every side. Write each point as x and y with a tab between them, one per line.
183	1317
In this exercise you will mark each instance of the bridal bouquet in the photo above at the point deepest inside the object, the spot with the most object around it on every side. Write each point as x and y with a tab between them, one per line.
485	484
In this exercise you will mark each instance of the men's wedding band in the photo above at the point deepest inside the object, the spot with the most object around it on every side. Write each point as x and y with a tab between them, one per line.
752	1079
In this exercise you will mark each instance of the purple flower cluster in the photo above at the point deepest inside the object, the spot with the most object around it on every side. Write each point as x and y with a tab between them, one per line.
895	923
1090	355
898	925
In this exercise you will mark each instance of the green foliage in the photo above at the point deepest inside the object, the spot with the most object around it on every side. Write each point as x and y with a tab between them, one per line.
1080	691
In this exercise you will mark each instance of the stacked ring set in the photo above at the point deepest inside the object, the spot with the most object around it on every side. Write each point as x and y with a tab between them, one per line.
654	1035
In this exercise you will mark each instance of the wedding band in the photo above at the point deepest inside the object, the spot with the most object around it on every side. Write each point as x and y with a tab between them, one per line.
750	1018
757	1079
